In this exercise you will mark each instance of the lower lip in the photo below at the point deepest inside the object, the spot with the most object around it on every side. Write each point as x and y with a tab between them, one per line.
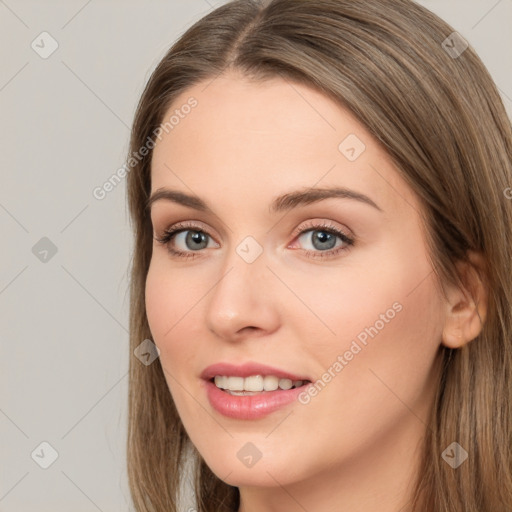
250	407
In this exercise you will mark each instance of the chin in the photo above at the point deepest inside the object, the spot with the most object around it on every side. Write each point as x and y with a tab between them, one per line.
254	478
265	472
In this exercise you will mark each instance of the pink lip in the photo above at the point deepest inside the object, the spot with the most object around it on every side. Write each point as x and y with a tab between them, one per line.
249	407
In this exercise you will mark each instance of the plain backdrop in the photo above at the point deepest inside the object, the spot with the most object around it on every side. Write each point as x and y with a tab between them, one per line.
64	255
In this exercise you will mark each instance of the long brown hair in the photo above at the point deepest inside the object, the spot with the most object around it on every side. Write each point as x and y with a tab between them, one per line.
440	117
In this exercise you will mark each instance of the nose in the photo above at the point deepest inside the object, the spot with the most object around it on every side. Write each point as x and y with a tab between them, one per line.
244	300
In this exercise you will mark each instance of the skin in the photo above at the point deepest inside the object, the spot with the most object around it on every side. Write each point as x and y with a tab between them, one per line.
356	445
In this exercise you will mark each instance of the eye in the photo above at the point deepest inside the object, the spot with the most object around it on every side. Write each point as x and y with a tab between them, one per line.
323	239
193	237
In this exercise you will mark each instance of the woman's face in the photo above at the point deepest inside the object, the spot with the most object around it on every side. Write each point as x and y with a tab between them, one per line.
269	281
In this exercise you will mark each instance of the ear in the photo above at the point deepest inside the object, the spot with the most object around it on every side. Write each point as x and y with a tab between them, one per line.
466	308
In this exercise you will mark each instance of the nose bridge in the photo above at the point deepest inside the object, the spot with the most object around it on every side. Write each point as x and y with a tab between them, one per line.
240	296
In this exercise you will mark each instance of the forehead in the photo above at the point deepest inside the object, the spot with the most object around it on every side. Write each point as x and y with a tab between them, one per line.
262	138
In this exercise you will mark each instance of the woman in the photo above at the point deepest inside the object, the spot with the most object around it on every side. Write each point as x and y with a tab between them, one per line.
322	263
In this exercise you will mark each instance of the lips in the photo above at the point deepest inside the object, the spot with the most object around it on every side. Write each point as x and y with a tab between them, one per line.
247	370
256	405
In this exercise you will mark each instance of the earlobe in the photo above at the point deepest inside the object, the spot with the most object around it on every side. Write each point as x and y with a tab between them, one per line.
467	307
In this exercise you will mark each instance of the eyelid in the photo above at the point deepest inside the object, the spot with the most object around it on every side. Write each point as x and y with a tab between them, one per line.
315	223
319	223
193	225
170	233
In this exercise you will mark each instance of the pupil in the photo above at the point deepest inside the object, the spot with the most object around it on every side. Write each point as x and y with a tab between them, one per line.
324	238
197	237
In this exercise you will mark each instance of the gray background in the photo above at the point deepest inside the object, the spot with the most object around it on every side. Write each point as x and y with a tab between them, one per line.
63	321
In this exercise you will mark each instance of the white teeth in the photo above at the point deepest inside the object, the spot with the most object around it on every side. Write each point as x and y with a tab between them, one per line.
236	383
270	383
285	384
219	381
255	383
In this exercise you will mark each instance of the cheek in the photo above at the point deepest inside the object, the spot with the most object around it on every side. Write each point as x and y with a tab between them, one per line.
384	314
168	297
173	302
389	335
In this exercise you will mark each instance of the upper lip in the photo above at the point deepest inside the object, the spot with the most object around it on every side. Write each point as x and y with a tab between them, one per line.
246	370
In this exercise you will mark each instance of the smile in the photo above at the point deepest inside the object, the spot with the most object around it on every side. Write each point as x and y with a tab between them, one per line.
253	384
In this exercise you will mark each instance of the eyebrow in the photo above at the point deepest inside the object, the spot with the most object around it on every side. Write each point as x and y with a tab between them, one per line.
281	203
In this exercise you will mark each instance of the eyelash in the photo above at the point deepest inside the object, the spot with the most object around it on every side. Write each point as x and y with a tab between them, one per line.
325	227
